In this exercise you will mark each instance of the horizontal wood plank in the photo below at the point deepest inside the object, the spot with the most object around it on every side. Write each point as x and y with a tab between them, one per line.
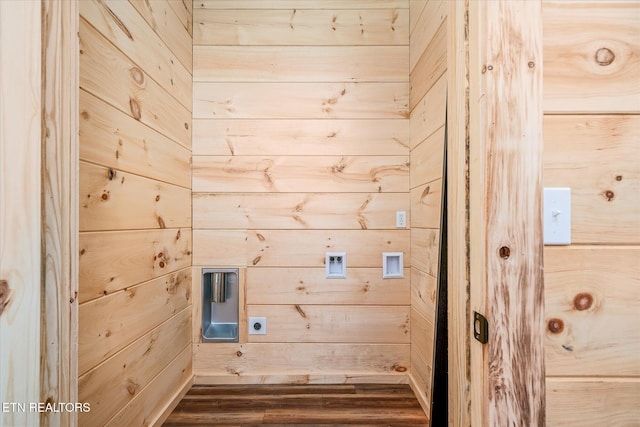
423	293
431	18
300	63
430	67
220	248
151	401
113	139
591	57
598	158
592	402
426	205
114	200
109	324
297	25
301	137
109	387
425	248
353	211
297	4
333	324
110	261
240	174
166	23
429	113
427	159
110	75
300	100
316	379
592	295
363	286
252	359
119	22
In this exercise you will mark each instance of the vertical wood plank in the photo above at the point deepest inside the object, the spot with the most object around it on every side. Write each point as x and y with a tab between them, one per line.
508	151
59	338
20	208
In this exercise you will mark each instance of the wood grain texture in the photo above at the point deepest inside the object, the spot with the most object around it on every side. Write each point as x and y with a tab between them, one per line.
591	299
432	16
110	75
571	402
109	324
300	100
354	211
297	25
112	138
300	63
301	137
511	256
591	57
301	359
20	207
114	383
416	7
319	405
427	158
307	4
59	307
598	157
426	205
115	200
161	17
429	113
241	174
363	286
184	11
430	67
220	247
422	347
150	402
423	293
124	27
336	324
424	250
110	261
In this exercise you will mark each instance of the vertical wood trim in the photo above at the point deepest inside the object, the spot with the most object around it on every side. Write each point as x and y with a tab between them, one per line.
506	215
458	217
20	208
59	338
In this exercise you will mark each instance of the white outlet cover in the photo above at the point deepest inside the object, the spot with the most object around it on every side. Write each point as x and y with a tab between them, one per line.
335	265
557	216
257	326
401	219
392	265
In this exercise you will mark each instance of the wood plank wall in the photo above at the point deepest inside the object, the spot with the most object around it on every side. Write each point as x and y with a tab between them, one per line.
592	134
301	147
428	79
135	209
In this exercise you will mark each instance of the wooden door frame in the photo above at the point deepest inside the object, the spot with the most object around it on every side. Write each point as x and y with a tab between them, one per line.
495	212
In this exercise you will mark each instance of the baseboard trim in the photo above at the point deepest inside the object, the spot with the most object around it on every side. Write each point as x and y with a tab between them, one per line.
301	379
422	399
171	405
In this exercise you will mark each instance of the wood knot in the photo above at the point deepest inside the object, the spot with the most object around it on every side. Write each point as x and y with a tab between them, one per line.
186	126
111	174
604	56
531	64
239	353
583	301
609	195
5	295
161	264
619	178
136	111
399	368
137	75
105	196
555	326
504	252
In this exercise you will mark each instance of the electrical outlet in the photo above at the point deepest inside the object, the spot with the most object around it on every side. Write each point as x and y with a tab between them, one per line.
401	219
257	326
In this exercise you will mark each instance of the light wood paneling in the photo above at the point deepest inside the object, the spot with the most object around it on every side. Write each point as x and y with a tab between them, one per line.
110	75
426	205
109	324
297	25
184	12
363	286
151	401
422	348
220	247
430	67
301	137
300	100
124	27
427	158
109	196
429	113
598	157
592	299
416	7
432	16
591	57
166	23
240	174
300	63
355	211
592	402
424	250
112	384
334	324
21	109
116	140
297	4
110	261
423	292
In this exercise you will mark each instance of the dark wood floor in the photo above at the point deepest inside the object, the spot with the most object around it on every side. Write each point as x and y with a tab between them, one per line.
299	405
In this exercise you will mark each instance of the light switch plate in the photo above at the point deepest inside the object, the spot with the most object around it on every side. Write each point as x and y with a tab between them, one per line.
557	216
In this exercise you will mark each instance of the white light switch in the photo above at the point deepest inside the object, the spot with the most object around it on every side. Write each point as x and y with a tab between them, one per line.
557	216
